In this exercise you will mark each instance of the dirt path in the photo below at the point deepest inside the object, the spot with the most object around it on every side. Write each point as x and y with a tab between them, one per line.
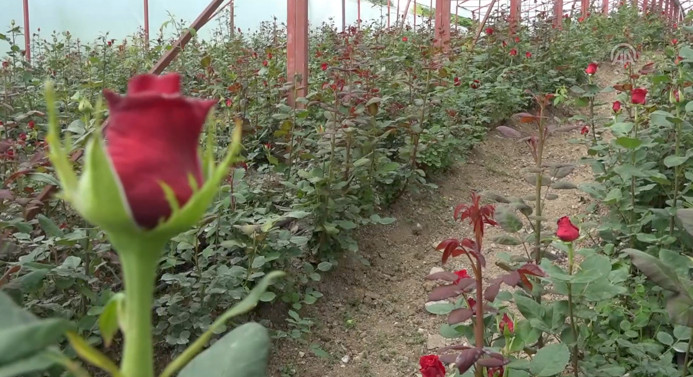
371	320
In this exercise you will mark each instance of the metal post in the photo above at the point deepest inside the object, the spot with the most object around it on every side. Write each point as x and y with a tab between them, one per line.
442	31
514	15
430	12
343	16
666	7
558	13
27	33
233	19
644	7
397	20
146	23
457	14
414	14
297	47
406	13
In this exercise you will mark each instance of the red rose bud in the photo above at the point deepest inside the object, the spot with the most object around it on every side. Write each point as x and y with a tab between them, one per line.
461	274
674	96
513	52
456	81
475	84
528	54
495	371
616	106
517	39
404	39
678	60
638	96
505	44
674	41
323	66
591	68
229	102
506	322
153	134
489	31
584	130
567	232
581	19
472	303
31	125
265	63
431	366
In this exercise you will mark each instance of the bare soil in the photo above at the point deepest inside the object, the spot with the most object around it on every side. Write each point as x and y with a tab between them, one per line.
371	320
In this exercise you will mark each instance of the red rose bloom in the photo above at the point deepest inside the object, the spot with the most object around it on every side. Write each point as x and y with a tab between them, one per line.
591	68
431	366
581	19
456	81
461	274
638	96
616	106
513	52
152	138
566	230
475	84
674	41
506	321
323	66
678	60
528	54
265	63
584	130
404	39
489	31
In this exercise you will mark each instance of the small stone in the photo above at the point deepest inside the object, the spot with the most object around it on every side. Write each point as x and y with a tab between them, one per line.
416	230
435	269
301	354
345	359
435	341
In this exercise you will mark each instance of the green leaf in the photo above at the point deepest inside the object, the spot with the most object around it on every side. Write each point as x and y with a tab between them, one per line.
672	161
247	304
508	220
680	309
92	355
324	266
22	340
685	217
665	338
529	308
108	320
440	308
23	367
550	360
49	226
505	239
628	142
655	270
241	353
682	332
562	185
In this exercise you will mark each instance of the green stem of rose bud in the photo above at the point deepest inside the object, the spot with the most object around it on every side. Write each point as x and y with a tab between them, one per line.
139	261
571	258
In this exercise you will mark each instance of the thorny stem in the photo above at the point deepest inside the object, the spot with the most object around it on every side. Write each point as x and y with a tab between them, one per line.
538	211
571	258
684	371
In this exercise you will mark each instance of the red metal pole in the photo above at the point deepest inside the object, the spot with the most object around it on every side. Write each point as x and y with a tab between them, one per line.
358	12
442	32
605	7
27	33
233	19
584	6
297	47
405	15
558	13
146	23
397	20
388	13
644	7
514	15
666	8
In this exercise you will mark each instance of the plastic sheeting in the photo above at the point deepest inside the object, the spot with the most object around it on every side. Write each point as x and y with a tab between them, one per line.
90	19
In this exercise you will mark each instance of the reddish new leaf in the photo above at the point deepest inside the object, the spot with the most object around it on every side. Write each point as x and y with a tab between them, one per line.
448	358
509	132
531	269
443	292
511	279
443	275
467	358
491	292
459	315
491	362
647	68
